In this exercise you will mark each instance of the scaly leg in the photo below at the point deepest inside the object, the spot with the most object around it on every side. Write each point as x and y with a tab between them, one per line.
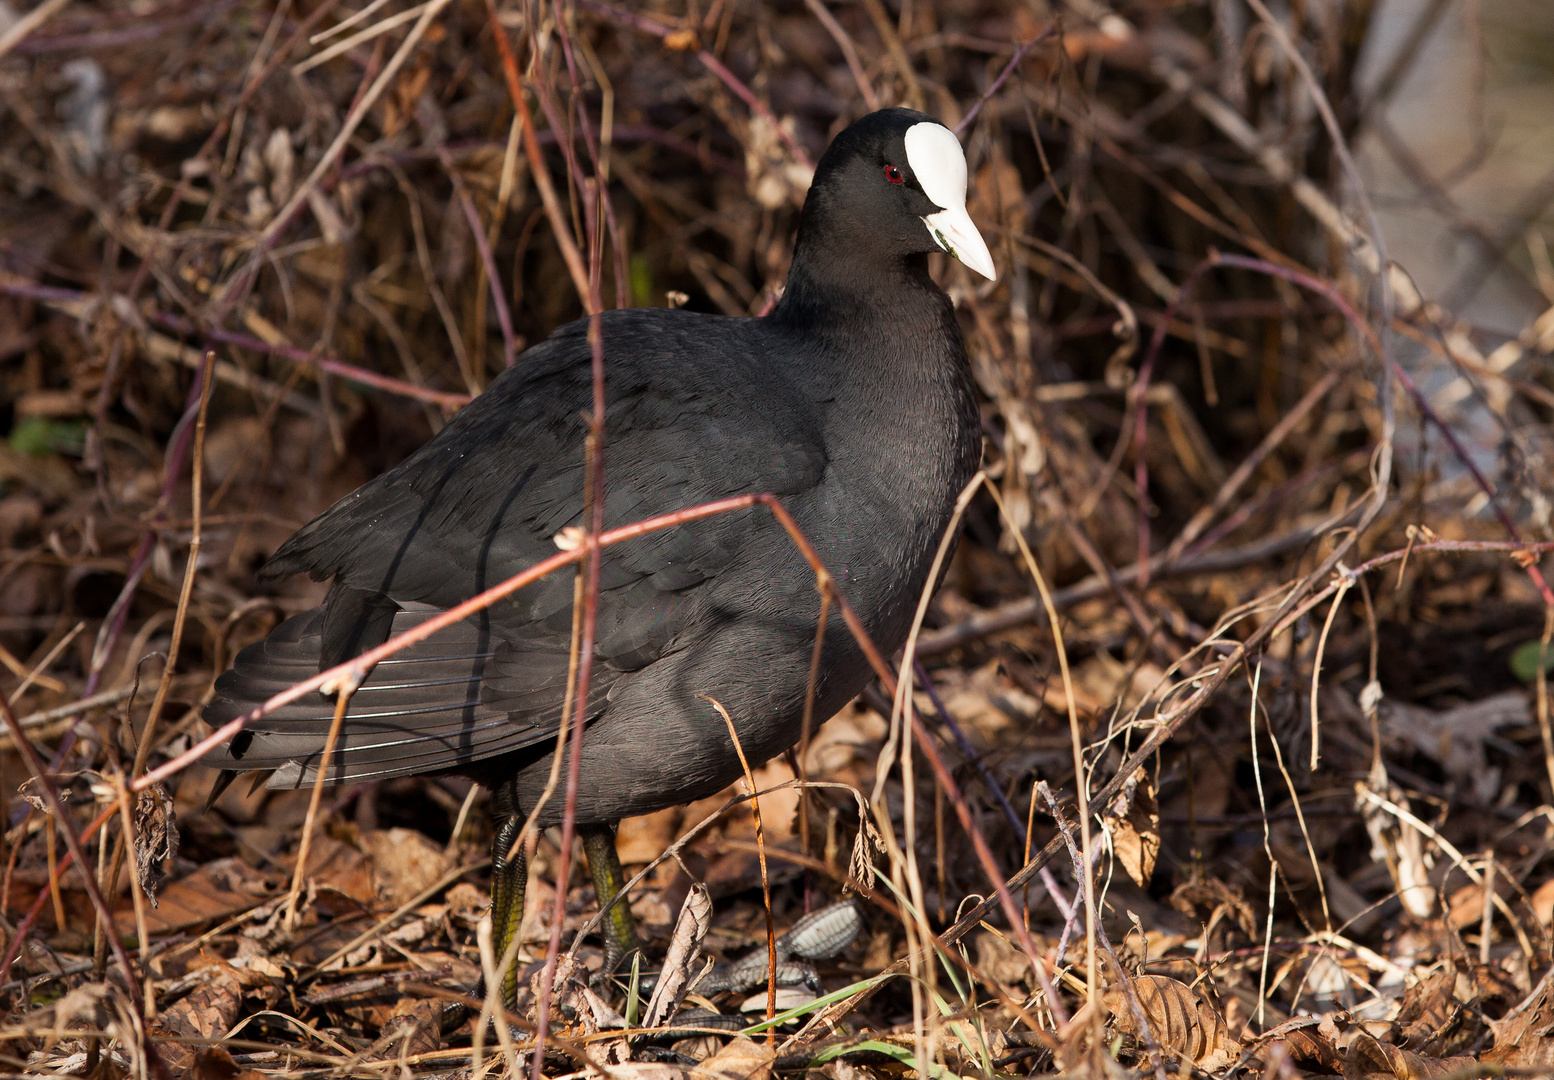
604	863
509	877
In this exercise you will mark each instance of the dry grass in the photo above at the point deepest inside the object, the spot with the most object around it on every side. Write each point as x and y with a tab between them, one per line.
1233	460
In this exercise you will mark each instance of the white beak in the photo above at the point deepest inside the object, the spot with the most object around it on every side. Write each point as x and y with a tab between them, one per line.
937	160
953	230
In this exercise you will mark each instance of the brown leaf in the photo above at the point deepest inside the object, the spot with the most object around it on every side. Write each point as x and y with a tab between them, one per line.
1134	820
214	891
214	1063
466	903
206	1013
682	961
1430	1008
1210	900
1523	1040
643	839
1369	1057
334	864
1305	1045
1543	903
412	1029
405	863
741	1059
1179	1019
998	958
156	837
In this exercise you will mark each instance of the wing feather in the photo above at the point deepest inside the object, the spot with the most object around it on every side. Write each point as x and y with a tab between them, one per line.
436	706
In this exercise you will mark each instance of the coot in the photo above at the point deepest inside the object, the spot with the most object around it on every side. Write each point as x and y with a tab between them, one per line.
851	401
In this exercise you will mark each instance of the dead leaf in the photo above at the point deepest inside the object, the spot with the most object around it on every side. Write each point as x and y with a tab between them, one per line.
1305	1045
1134	821
205	1013
1431	1007
1209	900
334	864
1455	737
1543	903
741	1059
1396	843
1179	1019
214	891
405	863
1522	1040
643	839
1369	1057
214	1063
413	1028
466	903
1106	680
774	177
1000	960
156	837
683	960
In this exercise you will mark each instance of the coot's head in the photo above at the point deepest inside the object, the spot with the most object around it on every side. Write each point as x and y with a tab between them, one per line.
890	186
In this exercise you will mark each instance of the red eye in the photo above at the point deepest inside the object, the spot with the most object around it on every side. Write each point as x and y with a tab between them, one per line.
893	174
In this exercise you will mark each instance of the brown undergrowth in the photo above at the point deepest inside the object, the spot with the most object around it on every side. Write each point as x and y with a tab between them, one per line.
1276	796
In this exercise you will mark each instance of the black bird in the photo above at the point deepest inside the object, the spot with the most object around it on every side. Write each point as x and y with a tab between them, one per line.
851	401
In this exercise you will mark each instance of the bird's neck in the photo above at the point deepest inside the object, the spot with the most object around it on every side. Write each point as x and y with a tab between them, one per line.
828	290
895	371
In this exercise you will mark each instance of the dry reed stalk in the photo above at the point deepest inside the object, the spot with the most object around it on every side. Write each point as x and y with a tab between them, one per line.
760	846
57	814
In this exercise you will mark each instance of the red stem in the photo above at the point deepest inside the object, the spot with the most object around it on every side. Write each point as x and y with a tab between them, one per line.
993	88
504	317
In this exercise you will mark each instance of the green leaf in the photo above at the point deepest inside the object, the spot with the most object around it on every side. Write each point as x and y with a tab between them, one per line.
817	1004
891	1050
633	997
39	436
1524	660
642	291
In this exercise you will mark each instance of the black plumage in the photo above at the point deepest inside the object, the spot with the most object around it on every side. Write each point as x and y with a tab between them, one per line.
852	402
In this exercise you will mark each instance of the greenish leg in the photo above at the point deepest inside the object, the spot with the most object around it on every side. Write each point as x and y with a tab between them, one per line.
509	877
604	863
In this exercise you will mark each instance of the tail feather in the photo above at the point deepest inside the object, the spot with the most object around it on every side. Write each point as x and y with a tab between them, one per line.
420	711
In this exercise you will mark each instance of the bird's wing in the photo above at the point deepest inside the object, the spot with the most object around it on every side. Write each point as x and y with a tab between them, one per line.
488	495
484	500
